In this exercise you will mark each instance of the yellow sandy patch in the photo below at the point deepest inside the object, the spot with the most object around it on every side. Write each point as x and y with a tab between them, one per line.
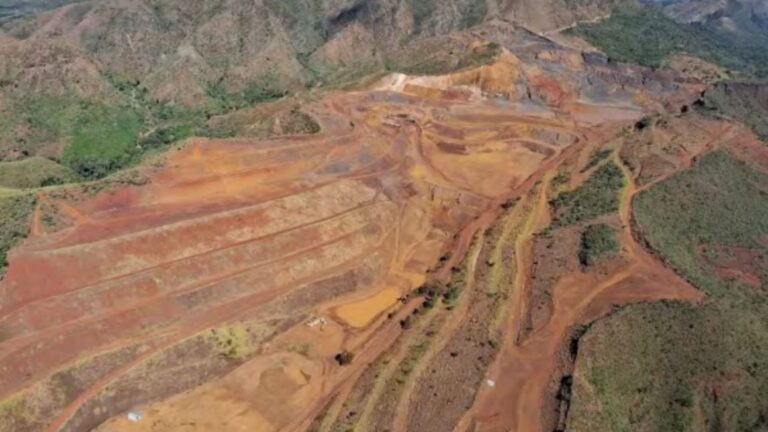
360	314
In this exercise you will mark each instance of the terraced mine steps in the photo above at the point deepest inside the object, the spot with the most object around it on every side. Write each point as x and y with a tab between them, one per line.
237	273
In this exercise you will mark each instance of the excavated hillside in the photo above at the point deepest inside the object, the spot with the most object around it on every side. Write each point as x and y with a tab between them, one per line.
493	232
227	259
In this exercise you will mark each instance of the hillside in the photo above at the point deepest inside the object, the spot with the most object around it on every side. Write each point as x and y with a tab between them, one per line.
15	9
174	62
383	215
648	36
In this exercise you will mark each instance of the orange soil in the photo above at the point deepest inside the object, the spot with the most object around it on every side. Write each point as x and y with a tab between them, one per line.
243	223
227	228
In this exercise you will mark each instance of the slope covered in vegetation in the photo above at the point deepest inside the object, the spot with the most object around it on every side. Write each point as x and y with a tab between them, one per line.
646	36
681	367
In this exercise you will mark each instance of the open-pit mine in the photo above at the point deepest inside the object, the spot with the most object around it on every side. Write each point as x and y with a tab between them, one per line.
390	273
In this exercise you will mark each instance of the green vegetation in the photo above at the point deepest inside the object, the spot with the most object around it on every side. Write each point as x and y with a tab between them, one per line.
163	136
423	11
596	157
34	172
598	195
14	212
415	353
299	122
597	241
15	412
232	342
681	367
103	140
474	14
31	122
260	90
694	217
647	37
305	21
49	117
674	367
561	178
103	137
744	102
437	291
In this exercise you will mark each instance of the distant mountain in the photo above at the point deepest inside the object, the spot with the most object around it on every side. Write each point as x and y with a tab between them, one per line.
12	9
722	12
730	33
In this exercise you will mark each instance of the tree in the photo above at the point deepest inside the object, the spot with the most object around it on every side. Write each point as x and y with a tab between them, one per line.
344	358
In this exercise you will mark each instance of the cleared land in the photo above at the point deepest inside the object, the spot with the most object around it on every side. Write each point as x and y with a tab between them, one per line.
398	258
226	244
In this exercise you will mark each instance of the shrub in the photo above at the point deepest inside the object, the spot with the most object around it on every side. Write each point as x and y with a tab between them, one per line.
745	102
595	158
34	172
561	178
232	342
422	11
299	122
14	213
474	14
599	195
103	140
344	358
164	136
597	241
260	90
719	203
643	123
